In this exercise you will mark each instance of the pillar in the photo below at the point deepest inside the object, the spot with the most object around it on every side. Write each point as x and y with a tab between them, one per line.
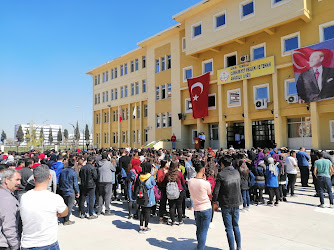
315	125
222	121
247	120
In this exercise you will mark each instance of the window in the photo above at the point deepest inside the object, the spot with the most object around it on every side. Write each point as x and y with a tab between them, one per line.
212	101
144	86
107	76
157	67
105	117
145	135
97	119
187	73
122	70
331	129
123	114
112	95
230	59
137	64
122	92
169	119
183	44
95	99
157	93
261	92
127	114
169	61
169	90
98	98
137	88
145	110
126	91
97	138
132	89
299	127
138	136
125	68
290	88
95	80
134	112
117	117
233	98
247	9
163	63
289	43
326	31
196	30
123	136
219	20
104	97
144	62
138	111
132	66
275	3
113	137
112	74
104	77
115	94
105	138
134	135
107	96
115	72
207	66
164	121
163	91
116	137
99	78
188	106
157	120
258	51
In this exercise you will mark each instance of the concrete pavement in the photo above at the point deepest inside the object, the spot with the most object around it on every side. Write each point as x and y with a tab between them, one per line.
296	224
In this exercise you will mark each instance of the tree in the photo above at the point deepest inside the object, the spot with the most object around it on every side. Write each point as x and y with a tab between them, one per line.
41	136
50	136
31	137
59	136
20	134
3	136
87	135
76	134
27	136
66	136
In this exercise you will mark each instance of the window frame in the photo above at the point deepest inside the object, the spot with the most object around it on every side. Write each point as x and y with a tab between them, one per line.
242	4
163	115
286	87
229	105
331	130
256	47
322	29
132	89
214	107
168	62
136	64
192	30
203	66
157	65
163	95
186	109
137	88
143	62
143	85
157	93
169	120
132	67
169	87
121	70
158	118
125	68
234	53
283	38
274	5
214	21
184	72
163	63
183	44
126	91
145	110
255	87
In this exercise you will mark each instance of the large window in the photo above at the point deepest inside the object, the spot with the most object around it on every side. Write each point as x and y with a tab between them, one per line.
188	105
169	119
169	90
122	70
137	64
107	96
115	70
144	62
157	66
290	43
132	89
125	68
275	3
157	121
163	63
145	110
107	75
132	66
258	51
219	20
183	44
112	74
169	61
326	31
187	73
115	94
299	127
98	98
112	95
247	9
230	59
163	91
123	136
196	30
138	111
290	88
164	121
145	135
233	98
104	97
144	86
137	88
261	92
126	91
122	92
157	93
212	101
207	66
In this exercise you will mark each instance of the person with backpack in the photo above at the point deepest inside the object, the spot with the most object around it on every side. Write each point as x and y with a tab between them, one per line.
244	185
260	183
131	180
162	182
175	191
145	195
272	173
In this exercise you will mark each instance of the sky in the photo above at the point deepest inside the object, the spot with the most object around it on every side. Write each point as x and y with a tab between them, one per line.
47	46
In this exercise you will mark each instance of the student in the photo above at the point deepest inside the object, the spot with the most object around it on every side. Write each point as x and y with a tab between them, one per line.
272	172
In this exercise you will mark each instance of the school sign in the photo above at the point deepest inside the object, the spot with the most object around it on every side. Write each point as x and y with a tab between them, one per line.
261	67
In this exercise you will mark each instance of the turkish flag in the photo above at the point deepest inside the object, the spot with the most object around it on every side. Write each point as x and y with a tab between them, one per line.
199	94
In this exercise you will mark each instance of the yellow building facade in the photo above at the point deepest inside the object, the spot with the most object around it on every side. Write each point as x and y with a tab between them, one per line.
212	36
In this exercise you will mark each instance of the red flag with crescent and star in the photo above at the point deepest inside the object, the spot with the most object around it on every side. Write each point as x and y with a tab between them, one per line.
199	95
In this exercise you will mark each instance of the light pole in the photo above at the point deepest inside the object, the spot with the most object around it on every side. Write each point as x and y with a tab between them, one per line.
73	131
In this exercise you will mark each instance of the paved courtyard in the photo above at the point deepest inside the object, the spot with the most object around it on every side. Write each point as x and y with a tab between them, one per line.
296	224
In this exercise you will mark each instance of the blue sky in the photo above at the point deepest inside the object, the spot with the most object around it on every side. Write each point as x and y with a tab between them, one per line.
47	46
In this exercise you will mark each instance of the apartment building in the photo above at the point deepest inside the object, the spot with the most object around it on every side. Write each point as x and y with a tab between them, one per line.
218	36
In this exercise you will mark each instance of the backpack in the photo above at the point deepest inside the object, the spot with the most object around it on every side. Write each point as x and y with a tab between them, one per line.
141	193
251	179
172	190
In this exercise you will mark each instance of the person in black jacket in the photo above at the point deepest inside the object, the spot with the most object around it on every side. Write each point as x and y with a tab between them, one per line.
228	193
26	173
88	176
124	162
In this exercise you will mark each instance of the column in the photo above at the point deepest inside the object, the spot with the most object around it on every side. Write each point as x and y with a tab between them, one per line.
109	128
140	138
100	135
278	120
315	125
119	128
222	121
247	120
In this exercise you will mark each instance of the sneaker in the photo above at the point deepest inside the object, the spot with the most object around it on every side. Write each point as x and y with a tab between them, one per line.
181	223
212	225
135	216
185	216
293	195
141	231
321	205
270	204
147	230
108	213
161	221
130	216
67	223
284	199
276	203
82	216
92	217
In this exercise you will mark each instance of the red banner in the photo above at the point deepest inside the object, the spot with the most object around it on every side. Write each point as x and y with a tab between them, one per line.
199	94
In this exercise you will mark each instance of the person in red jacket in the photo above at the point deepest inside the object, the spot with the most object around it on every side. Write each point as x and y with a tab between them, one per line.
162	182
173	139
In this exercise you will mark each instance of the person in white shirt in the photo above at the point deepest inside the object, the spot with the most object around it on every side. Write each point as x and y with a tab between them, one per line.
291	170
39	210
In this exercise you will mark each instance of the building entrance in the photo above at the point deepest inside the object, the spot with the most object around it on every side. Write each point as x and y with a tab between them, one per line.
235	135
263	133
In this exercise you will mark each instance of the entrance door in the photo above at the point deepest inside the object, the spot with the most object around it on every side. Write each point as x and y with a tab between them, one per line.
263	133
193	135
214	136
235	135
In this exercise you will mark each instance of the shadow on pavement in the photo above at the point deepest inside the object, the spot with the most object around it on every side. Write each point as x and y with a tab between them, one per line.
302	203
173	243
125	225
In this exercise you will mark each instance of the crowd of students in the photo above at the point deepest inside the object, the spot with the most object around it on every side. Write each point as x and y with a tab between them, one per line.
153	183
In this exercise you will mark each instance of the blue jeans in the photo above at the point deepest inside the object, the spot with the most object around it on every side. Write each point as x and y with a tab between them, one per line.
202	219
231	220
173	144
54	246
246	198
325	183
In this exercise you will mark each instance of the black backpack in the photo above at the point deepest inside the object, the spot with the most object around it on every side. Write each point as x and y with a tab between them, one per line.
141	193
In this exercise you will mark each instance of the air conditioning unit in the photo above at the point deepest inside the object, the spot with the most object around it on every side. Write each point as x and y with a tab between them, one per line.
261	104
292	99
244	58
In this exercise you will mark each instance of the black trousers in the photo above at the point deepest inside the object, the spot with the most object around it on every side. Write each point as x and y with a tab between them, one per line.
291	183
304	175
84	192
316	183
145	215
69	201
259	194
132	204
163	202
282	190
273	191
176	205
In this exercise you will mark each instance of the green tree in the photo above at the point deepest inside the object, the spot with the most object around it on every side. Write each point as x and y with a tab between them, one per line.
3	136
50	136
20	134
41	136
87	135
59	136
77	133
66	136
27	136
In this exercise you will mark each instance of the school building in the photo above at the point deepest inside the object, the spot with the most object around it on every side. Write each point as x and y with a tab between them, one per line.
143	97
